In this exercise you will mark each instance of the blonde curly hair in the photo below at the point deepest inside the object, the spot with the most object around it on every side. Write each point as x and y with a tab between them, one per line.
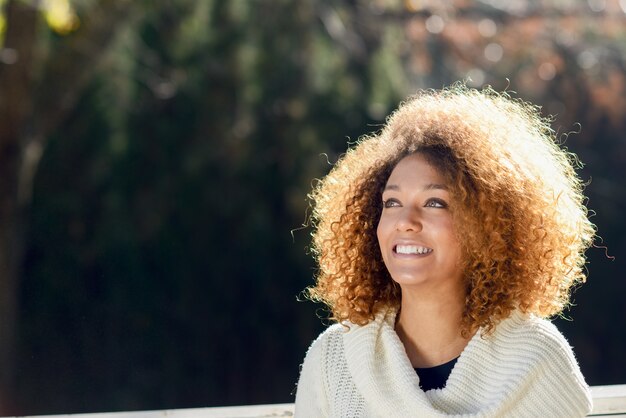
517	203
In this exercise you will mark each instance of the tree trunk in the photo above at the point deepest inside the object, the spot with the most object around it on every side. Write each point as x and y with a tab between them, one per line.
26	119
15	108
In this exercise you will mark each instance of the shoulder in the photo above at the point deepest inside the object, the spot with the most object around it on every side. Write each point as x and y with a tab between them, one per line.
327	342
312	388
527	343
535	336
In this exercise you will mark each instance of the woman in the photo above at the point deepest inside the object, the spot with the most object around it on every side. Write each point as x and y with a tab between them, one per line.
443	242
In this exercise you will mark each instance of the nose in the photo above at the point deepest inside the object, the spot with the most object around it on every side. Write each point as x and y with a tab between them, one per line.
409	219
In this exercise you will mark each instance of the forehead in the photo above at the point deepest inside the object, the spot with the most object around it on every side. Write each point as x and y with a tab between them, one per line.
415	169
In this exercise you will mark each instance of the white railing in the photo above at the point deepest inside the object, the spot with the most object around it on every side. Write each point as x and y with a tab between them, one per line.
608	401
249	411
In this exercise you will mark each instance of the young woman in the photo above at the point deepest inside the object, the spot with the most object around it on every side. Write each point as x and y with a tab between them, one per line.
443	243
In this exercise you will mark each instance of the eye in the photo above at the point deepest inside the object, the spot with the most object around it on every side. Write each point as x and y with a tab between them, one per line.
436	203
390	203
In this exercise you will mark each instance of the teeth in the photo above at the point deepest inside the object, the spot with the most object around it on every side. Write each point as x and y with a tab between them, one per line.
412	249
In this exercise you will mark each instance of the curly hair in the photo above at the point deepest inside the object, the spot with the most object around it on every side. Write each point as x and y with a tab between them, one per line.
517	204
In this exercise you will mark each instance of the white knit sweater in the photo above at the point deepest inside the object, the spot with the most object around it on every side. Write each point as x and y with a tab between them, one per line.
525	368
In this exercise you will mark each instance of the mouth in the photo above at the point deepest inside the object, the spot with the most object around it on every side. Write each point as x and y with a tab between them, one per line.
411	249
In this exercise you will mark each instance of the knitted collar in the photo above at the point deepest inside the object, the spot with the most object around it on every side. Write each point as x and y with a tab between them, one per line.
384	375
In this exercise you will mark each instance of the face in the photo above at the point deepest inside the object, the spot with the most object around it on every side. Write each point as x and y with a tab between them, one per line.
416	232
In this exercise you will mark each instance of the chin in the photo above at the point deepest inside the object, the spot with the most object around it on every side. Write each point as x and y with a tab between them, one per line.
409	280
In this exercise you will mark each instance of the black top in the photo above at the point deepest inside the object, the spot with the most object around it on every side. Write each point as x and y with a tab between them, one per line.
435	377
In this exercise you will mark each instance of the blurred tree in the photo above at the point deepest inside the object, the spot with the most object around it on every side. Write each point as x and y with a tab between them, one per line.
15	84
173	186
41	77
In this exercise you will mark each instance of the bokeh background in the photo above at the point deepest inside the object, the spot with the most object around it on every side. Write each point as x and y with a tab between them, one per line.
155	158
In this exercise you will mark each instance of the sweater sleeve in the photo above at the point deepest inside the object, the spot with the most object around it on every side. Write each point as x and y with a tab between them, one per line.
311	399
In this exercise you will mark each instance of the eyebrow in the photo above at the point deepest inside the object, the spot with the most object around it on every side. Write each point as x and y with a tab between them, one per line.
430	186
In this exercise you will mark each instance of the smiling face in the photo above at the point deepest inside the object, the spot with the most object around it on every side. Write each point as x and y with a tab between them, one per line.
416	232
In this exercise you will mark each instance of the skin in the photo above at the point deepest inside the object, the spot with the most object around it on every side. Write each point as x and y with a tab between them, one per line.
420	249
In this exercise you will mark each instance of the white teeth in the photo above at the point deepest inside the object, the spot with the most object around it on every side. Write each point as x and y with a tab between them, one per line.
412	249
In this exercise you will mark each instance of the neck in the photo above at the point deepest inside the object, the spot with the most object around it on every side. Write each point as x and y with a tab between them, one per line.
430	326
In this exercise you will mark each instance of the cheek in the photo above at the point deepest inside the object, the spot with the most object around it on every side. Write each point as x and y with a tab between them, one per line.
453	241
379	237
381	233
445	230
382	229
